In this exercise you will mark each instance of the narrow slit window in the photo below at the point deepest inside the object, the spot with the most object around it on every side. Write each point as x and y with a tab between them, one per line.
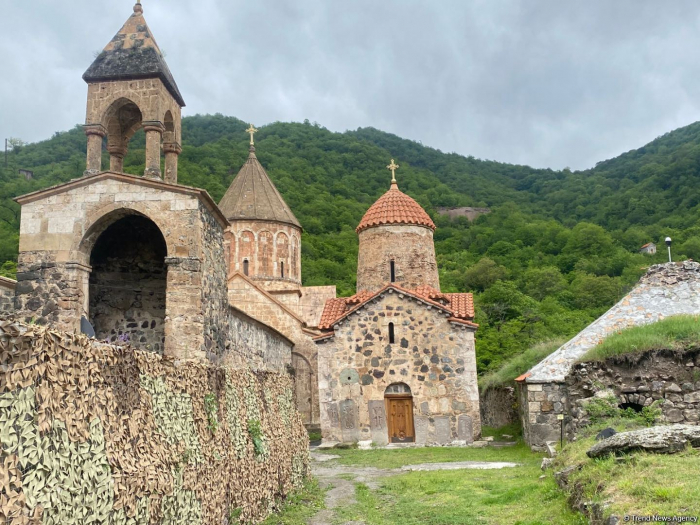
392	268
282	269
391	332
245	266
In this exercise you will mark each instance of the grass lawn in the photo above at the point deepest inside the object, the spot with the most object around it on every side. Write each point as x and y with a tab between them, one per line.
299	507
382	458
642	484
462	497
674	333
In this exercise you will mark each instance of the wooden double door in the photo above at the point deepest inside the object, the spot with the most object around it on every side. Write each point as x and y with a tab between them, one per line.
399	411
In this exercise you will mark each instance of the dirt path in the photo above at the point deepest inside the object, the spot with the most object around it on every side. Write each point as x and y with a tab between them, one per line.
342	480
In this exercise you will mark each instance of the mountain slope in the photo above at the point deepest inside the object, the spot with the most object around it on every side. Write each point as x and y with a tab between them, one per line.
558	248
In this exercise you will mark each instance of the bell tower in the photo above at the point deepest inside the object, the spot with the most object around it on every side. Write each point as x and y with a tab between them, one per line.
130	87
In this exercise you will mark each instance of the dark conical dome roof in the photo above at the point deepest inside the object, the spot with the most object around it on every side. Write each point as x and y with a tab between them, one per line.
253	196
133	54
395	207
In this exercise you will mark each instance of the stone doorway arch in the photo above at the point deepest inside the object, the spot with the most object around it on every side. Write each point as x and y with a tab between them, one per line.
398	400
128	282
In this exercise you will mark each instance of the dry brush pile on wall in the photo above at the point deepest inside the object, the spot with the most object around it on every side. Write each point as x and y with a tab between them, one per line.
94	433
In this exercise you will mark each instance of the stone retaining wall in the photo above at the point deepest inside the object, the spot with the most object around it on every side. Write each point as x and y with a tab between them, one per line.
91	431
638	381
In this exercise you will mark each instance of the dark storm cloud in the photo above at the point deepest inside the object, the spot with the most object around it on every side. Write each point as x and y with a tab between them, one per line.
545	83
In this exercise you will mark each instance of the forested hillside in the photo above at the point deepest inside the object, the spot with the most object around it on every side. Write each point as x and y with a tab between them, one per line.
558	249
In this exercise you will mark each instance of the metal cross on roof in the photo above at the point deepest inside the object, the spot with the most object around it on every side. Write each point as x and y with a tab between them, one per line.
252	132
393	167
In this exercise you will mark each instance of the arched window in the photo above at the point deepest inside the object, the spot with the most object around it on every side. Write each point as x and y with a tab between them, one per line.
398	389
392	267
282	269
391	332
245	266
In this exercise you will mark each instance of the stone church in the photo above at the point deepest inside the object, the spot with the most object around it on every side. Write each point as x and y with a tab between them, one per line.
396	361
146	261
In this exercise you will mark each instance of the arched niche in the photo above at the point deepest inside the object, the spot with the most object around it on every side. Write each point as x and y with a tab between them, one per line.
282	249
128	281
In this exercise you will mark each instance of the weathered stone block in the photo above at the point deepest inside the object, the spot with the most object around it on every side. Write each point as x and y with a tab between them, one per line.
421	427
465	428
349	420
377	419
443	432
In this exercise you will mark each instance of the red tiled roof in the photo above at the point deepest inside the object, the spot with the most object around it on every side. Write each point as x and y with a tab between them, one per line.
395	207
459	305
523	377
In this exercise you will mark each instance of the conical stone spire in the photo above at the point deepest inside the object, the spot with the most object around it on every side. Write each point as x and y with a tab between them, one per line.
253	196
133	54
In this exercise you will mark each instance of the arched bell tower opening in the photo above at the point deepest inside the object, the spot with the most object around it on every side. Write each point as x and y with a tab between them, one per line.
127	286
122	119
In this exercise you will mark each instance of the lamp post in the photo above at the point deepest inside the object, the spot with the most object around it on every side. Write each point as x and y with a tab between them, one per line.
668	243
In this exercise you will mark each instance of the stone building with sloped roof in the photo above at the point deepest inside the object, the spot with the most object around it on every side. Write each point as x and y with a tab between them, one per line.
264	268
396	361
136	259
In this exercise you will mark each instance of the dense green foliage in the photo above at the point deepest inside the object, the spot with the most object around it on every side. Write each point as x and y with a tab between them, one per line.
518	364
558	249
680	332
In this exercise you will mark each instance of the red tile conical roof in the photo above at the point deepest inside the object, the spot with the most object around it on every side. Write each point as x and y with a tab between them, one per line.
395	207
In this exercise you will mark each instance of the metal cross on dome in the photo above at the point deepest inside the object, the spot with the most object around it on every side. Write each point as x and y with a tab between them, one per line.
393	167
252	132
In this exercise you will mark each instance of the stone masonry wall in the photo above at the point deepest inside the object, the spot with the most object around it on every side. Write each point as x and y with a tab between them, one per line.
135	438
255	345
313	300
638	380
540	406
410	247
7	296
499	407
434	357
267	309
214	293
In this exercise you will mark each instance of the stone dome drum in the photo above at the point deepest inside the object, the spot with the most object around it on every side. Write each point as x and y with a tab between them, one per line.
396	244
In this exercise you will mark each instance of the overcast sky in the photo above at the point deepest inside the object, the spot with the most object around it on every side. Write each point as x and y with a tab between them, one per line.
550	83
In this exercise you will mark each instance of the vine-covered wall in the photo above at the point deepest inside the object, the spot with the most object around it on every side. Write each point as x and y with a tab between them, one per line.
90	431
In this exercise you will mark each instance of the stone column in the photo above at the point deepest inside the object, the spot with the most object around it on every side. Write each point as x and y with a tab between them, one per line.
172	152
184	317
116	158
95	133
154	130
